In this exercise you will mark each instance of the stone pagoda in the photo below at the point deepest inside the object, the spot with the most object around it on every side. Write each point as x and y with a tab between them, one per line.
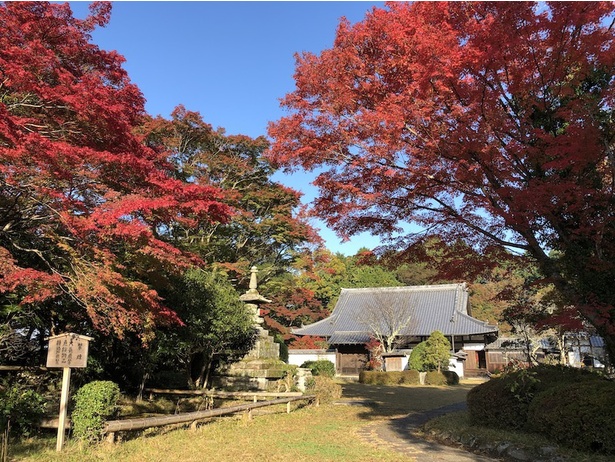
262	364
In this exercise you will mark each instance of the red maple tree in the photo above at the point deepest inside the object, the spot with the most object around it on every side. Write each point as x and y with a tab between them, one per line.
483	121
82	200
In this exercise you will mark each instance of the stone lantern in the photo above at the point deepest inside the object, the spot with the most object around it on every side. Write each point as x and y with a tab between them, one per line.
262	365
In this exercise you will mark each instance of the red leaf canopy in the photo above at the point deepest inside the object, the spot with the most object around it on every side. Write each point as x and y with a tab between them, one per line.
82	201
484	121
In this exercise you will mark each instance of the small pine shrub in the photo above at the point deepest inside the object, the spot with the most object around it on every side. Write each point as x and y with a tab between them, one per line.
95	402
325	389
431	355
417	358
322	367
435	378
578	415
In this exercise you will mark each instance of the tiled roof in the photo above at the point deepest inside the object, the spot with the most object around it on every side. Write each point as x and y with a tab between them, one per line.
507	343
421	309
345	338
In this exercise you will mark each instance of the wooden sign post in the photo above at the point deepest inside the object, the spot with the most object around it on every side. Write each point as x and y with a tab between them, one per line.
66	351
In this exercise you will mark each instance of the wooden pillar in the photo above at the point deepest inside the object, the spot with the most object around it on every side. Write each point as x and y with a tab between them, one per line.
63	408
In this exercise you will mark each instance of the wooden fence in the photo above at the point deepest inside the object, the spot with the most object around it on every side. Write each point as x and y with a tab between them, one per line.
253	395
114	426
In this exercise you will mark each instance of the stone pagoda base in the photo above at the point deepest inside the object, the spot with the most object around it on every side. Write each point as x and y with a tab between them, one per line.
257	370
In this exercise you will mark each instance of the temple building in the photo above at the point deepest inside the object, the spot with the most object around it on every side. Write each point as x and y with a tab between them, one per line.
412	313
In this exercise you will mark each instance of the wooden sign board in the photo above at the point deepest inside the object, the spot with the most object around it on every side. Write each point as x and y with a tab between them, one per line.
68	350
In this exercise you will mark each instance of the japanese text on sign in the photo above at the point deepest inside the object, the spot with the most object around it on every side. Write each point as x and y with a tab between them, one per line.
67	351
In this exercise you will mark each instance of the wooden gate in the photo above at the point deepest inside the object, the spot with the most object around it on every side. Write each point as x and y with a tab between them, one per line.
351	363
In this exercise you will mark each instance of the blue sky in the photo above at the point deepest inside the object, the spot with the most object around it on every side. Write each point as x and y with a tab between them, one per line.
230	61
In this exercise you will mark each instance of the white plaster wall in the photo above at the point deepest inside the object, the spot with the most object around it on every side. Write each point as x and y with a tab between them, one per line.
298	357
456	366
473	346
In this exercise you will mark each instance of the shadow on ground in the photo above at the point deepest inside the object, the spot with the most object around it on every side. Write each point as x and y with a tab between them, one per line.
387	402
396	414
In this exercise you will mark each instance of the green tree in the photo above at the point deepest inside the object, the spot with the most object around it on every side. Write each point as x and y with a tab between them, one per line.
431	355
266	228
417	358
215	324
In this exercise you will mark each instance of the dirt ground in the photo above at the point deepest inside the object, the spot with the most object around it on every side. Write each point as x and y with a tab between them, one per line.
394	415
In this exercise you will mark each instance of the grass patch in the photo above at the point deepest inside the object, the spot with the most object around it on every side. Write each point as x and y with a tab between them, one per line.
324	433
308	434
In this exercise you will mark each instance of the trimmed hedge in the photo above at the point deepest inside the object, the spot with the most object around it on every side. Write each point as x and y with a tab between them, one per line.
389	378
375	378
435	378
320	367
496	404
578	415
410	377
451	377
95	402
503	402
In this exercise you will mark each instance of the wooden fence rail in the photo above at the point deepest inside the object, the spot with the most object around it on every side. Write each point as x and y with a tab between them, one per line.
254	395
113	426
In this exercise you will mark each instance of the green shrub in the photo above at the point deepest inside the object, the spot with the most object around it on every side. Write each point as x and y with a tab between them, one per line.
378	378
410	377
322	367
416	361
395	377
370	377
578	415
432	354
95	402
21	408
325	389
503	402
549	376
279	339
435	378
451	377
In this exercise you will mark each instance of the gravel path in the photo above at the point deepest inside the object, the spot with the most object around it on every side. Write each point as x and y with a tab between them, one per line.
400	435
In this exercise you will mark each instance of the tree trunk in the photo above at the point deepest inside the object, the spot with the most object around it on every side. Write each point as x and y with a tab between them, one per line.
142	386
204	370
208	374
561	344
609	349
188	369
